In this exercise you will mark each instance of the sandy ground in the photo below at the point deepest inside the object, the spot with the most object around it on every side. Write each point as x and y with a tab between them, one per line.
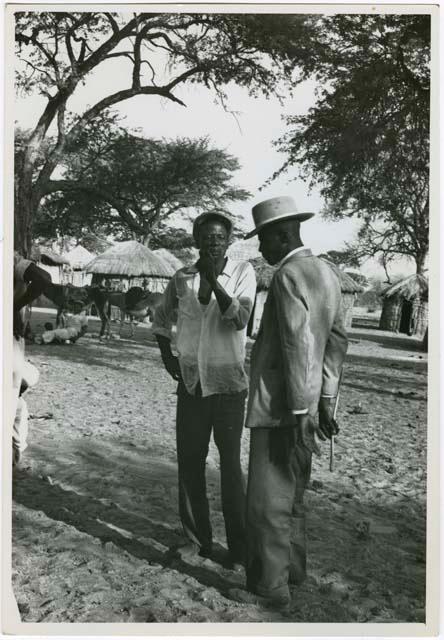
95	504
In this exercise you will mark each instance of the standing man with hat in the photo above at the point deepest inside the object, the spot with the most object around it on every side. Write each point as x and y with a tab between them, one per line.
210	303
295	369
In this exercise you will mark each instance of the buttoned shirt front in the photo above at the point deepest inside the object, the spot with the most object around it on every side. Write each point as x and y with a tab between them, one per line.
210	344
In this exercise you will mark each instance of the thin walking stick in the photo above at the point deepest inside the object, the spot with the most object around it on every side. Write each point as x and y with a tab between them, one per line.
332	439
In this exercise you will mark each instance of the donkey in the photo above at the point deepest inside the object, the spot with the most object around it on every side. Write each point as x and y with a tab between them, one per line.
135	303
68	298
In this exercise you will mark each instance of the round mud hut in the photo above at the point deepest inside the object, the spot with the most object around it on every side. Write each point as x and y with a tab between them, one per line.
405	306
264	274
133	263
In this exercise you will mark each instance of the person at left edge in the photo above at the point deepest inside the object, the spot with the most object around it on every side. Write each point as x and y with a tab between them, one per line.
29	283
210	303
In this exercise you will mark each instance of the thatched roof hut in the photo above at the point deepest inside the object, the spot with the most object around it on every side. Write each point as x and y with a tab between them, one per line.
405	306
244	249
265	272
79	257
349	288
348	284
169	258
131	260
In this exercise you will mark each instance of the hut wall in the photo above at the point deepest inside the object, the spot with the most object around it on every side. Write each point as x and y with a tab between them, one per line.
392	311
76	277
80	278
157	285
391	314
420	318
348	302
54	272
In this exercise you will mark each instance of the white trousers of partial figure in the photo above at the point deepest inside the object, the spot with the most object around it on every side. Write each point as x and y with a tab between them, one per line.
20	428
23	372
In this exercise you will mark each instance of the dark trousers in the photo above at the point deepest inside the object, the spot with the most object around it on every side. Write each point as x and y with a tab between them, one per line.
276	549
196	418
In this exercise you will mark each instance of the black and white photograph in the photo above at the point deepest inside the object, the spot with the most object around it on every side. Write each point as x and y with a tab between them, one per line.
223	230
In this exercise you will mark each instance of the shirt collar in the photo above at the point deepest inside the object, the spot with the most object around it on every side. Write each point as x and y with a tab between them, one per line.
228	269
290	254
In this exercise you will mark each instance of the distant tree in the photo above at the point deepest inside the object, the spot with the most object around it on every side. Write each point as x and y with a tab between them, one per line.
372	296
366	140
359	278
131	186
57	52
342	259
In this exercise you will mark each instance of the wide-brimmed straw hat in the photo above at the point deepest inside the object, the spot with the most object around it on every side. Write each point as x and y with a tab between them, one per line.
275	209
211	215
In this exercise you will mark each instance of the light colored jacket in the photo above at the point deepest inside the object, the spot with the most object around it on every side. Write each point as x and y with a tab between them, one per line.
301	344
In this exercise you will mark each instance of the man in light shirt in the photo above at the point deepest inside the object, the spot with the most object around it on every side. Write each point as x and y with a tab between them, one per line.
295	370
210	303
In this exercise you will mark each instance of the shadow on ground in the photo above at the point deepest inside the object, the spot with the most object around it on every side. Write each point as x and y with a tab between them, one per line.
136	529
395	341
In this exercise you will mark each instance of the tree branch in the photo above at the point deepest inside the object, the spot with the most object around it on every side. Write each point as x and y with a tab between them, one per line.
113	23
53	186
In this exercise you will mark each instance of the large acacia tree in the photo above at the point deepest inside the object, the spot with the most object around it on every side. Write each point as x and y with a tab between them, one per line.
58	51
130	186
366	140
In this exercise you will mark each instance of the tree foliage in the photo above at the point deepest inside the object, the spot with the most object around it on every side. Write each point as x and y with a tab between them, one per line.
343	258
366	140
131	186
57	52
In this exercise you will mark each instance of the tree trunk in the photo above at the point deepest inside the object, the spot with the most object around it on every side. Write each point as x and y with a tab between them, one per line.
26	201
25	207
420	260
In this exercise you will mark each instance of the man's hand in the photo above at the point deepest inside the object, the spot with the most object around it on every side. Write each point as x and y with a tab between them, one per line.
171	364
207	268
327	424
302	430
205	291
170	361
306	429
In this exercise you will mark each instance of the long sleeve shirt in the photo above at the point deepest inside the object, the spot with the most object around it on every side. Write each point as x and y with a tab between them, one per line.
210	344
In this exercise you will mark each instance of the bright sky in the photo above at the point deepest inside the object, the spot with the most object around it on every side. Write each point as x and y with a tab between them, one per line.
249	137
